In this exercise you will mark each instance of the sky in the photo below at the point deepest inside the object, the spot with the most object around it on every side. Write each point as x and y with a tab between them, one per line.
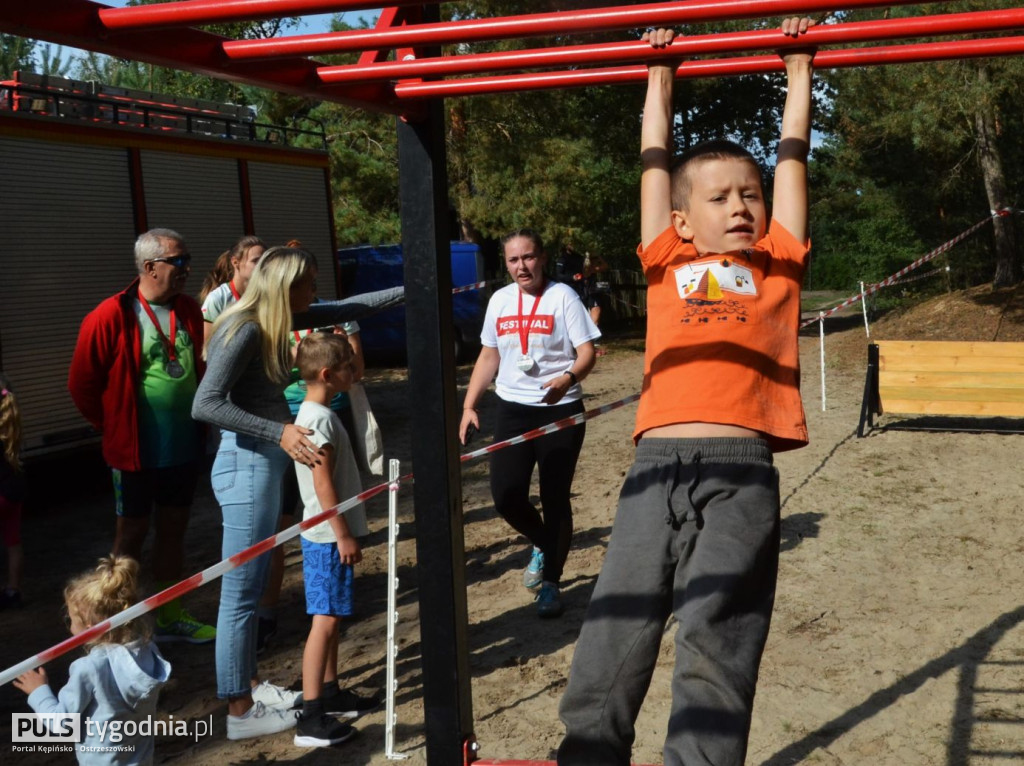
309	25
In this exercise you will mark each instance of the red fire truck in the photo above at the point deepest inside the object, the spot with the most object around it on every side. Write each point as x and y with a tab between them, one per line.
84	169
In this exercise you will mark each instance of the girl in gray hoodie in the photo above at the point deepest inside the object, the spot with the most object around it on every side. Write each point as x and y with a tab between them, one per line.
115	685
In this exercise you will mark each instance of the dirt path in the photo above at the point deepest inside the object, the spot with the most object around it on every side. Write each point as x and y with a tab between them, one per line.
897	636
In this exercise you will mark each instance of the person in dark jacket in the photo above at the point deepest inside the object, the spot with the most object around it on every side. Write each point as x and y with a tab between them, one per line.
134	374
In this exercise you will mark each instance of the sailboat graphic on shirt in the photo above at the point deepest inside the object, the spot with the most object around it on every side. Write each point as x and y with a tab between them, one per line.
709	280
705	288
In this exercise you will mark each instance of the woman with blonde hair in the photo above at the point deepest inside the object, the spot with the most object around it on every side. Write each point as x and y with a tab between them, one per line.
248	366
119	679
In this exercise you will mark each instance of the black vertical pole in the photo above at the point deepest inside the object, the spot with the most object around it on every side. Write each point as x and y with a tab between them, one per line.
869	404
435	455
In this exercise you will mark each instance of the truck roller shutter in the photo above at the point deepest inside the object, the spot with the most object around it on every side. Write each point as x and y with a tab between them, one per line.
68	238
290	202
198	197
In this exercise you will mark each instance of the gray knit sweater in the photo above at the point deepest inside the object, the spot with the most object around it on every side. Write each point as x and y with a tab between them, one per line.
235	393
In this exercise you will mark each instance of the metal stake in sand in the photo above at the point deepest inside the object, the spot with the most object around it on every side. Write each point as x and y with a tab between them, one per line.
864	308
390	717
821	333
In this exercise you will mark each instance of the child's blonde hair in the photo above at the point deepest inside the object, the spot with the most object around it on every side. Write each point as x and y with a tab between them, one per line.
10	425
321	350
100	593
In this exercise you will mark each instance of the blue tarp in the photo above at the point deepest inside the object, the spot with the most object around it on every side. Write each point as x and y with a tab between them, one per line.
369	267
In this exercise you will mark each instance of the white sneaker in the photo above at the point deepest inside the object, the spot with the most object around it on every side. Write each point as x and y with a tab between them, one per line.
258	721
274	697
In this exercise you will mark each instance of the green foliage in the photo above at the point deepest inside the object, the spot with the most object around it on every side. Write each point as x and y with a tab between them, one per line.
52	61
900	173
897	175
566	162
857	227
137	75
16	54
364	174
19	54
363	148
542	160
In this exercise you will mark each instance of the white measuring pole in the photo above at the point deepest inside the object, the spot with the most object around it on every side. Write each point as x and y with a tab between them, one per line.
390	717
821	325
864	308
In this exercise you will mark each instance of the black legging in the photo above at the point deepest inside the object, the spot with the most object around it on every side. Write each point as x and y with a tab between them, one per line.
555	456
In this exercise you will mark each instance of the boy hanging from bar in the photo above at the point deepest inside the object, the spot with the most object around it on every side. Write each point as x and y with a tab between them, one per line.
696	533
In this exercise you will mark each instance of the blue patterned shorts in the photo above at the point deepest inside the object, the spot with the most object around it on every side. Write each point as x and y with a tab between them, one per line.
328	582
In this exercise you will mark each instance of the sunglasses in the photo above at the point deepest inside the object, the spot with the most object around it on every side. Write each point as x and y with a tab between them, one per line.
177	261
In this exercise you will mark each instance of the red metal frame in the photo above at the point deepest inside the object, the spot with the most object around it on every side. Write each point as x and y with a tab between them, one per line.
633	51
164	34
77	23
853	57
197	12
539	24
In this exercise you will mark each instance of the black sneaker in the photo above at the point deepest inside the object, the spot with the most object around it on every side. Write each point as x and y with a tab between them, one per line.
321	731
10	599
344	703
266	629
348	704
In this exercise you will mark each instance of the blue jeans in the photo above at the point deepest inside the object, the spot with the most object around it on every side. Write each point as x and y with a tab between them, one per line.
246	479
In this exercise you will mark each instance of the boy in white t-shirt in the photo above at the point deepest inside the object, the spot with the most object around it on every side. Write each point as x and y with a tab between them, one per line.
329	549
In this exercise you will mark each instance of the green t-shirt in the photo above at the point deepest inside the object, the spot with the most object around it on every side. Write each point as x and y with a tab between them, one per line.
167	433
295	393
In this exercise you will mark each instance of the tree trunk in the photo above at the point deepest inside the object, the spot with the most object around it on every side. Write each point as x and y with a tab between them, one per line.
1007	272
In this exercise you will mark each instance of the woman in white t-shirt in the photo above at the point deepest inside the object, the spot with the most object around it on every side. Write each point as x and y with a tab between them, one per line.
242	257
538	342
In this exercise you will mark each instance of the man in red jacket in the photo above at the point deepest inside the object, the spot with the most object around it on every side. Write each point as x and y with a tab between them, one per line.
133	376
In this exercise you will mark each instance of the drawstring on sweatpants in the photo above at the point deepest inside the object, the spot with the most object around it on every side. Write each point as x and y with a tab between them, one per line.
671	518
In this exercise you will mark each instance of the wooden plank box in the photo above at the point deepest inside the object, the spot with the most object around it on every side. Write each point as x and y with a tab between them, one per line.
952	378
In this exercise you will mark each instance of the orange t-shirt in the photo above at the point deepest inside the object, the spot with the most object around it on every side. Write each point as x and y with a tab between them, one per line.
722	337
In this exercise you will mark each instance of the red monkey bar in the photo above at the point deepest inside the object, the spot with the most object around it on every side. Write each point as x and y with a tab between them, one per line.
728	42
893	54
165	34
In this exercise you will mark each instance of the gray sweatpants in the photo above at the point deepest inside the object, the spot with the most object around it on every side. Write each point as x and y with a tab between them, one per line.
696	535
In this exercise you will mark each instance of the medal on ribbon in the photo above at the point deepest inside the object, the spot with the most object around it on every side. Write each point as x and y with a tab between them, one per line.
172	366
525	362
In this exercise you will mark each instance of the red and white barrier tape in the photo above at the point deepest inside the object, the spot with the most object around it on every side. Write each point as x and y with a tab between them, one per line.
185	586
467	288
219	569
917	277
476	286
550	428
893	278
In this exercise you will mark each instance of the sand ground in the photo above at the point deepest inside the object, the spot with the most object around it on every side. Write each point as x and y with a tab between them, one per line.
897	636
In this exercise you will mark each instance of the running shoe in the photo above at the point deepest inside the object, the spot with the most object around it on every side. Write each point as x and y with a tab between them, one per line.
183	628
321	731
344	702
275	697
548	600
258	721
533	575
